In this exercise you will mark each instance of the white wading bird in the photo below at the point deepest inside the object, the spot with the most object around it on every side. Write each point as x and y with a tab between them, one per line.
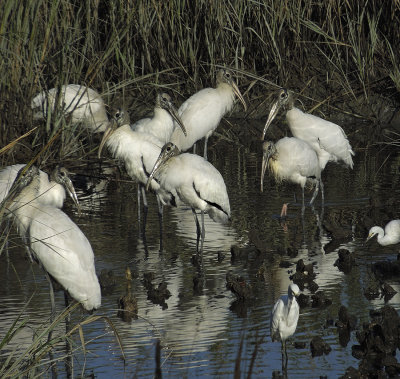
55	241
389	236
294	160
193	181
51	192
161	125
326	138
83	104
284	318
139	152
202	112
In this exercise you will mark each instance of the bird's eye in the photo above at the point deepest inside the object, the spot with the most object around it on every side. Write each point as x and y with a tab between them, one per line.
117	114
228	75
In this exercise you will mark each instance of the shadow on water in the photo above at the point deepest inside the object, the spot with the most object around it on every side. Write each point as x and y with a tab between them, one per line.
201	328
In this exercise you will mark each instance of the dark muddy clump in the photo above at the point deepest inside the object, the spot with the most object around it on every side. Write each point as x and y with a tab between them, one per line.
238	286
338	229
388	291
319	347
303	300
345	262
351	373
345	324
158	295
346	320
239	253
127	307
299	345
372	291
107	281
319	300
387	269
304	276
127	304
378	342
198	283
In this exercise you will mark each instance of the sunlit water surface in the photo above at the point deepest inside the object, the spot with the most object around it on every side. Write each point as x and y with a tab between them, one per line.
201	331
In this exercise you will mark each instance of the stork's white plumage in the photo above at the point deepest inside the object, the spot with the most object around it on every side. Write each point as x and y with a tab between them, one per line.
51	192
84	105
294	160
193	181
163	122
326	138
55	241
202	112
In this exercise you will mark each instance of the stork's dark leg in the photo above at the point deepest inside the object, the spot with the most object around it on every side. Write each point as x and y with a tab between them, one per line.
203	232
205	147
322	192
317	184
160	220
196	220
51	292
302	206
138	203
145	208
284	357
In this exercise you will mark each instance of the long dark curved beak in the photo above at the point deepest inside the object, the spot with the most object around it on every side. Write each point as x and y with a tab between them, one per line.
159	163
272	114
107	134
237	92
264	166
71	192
174	113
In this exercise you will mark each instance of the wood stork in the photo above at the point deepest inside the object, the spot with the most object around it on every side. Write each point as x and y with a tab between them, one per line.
202	112
51	192
389	236
284	318
139	152
55	241
326	138
83	104
161	125
193	181
294	160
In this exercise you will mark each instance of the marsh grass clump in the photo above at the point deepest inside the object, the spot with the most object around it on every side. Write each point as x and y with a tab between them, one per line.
43	353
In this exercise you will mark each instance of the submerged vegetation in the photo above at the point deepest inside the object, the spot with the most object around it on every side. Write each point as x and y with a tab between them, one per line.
332	52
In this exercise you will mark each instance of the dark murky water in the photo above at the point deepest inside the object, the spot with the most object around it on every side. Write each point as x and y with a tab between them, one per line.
201	333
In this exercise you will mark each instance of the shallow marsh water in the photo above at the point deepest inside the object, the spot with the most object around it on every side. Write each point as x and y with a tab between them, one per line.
201	331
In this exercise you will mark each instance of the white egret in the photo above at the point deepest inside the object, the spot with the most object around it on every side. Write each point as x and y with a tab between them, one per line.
193	181
84	105
139	152
55	241
389	236
294	160
326	138
161	125
284	318
202	112
51	192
